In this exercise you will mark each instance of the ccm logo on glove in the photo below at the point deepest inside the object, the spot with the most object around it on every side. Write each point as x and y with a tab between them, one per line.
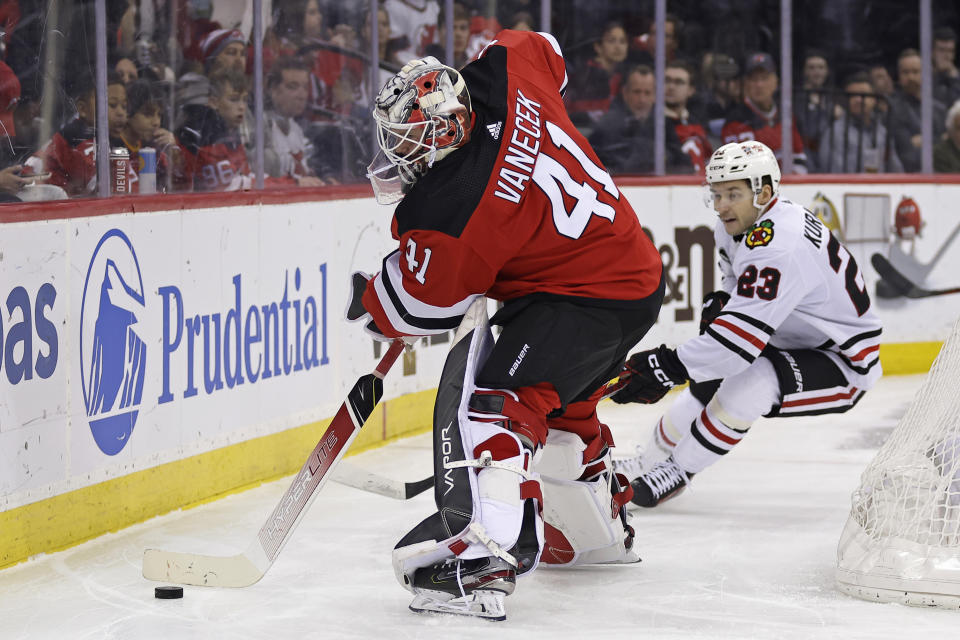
648	376
659	373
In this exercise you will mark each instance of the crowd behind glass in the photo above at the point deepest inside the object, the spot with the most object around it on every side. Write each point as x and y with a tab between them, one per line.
179	85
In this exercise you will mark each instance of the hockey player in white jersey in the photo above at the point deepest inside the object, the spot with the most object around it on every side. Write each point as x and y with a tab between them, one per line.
791	333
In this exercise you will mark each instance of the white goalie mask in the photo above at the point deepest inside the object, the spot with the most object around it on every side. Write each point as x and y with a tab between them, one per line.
422	114
750	160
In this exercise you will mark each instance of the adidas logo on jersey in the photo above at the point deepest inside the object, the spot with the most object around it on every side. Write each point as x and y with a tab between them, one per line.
494	130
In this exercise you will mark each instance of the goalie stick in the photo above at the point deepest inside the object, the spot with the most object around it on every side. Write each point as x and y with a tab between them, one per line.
358	478
353	476
901	283
246	568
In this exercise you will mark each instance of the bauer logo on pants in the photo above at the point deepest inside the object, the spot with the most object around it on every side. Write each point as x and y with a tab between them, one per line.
113	354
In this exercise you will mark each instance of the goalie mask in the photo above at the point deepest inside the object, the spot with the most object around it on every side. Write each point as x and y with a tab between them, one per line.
422	114
751	161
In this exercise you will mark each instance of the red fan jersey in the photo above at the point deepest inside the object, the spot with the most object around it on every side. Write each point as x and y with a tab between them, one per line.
524	208
693	141
71	159
747	122
214	158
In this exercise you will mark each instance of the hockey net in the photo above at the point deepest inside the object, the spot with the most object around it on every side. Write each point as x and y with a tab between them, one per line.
901	542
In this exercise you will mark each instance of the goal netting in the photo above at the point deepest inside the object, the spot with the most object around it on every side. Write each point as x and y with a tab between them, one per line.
901	542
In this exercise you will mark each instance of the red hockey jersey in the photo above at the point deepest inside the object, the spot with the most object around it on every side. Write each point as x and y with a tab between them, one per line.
71	158
524	208
747	122
214	158
693	141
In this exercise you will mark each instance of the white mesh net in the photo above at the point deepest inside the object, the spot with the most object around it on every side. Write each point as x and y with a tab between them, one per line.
902	539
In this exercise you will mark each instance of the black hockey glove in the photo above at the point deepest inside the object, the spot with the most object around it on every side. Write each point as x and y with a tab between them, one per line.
649	375
355	310
713	304
358	284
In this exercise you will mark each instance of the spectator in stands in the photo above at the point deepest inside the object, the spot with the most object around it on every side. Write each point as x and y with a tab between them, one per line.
70	156
946	153
413	24
219	49
336	74
9	98
905	117
286	148
389	61
292	18
143	129
623	138
720	91
461	36
519	15
214	155
597	82
127	70
858	142
224	49
881	80
946	76
758	116
521	21
644	47
150	62
882	83
813	105
11	178
678	89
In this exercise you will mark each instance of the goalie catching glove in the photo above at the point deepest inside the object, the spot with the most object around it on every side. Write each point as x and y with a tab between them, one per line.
650	375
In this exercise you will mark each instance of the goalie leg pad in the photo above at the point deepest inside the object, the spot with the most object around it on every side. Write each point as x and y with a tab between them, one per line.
585	521
505	518
488	497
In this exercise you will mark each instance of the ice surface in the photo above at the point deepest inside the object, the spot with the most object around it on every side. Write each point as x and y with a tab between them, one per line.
748	552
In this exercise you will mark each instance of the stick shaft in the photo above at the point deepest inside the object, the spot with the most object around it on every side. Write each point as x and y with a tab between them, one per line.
248	567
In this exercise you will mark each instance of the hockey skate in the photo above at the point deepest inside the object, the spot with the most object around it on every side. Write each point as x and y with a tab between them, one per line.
634	466
464	587
663	481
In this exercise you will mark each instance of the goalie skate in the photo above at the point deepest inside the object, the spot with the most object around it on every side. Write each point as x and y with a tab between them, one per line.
464	587
479	604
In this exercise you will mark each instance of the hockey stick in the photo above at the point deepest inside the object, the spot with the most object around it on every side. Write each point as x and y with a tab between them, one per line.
900	282
353	476
913	269
358	478
246	568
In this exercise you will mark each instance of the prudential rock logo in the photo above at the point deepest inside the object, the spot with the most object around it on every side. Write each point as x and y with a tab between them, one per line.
113	356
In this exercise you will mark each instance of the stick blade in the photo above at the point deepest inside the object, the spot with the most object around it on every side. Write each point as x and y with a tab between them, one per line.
353	476
893	277
240	570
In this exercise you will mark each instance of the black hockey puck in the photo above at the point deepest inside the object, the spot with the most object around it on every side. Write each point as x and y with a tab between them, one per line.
168	593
